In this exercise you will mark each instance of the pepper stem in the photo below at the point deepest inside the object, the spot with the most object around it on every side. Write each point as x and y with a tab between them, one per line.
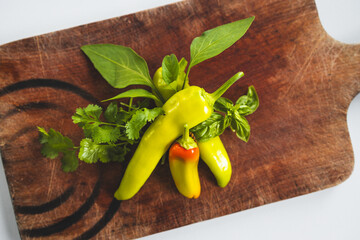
221	90
186	141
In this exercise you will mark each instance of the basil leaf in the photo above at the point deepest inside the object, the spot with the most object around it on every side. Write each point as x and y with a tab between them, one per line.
223	105
241	126
170	68
120	66
210	128
134	93
217	40
248	104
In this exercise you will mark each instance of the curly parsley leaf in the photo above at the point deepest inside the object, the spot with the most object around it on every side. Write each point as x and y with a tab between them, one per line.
54	143
101	132
139	120
90	114
105	134
111	112
114	114
69	161
92	152
118	153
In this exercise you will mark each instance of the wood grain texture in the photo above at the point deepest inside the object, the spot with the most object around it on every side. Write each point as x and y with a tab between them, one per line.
299	141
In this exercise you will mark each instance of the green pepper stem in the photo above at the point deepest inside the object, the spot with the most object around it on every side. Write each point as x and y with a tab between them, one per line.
221	90
186	141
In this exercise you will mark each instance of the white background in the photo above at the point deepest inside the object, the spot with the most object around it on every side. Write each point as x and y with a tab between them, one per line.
329	214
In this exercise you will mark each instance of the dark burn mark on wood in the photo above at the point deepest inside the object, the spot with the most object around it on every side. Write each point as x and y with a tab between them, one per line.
52	83
67	221
46	206
109	214
21	132
29	106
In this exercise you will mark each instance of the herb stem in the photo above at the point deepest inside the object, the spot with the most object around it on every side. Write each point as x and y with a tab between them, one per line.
186	79
157	93
112	124
130	102
127	105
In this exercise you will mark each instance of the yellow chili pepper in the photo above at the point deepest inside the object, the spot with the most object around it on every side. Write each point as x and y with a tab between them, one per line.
214	154
183	162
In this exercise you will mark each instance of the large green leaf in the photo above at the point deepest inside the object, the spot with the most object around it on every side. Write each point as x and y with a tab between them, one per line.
217	40
120	66
135	93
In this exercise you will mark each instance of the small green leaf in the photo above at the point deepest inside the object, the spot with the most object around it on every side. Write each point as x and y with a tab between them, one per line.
241	126
154	113
120	66
117	154
86	115
106	134
214	41
248	104
111	112
170	68
69	161
134	93
210	128
223	105
90	152
54	143
145	103
182	74
182	65
139	120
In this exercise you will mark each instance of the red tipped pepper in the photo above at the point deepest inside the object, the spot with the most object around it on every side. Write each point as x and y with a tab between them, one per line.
183	160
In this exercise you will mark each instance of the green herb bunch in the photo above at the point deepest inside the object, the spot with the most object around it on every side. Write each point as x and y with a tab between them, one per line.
110	133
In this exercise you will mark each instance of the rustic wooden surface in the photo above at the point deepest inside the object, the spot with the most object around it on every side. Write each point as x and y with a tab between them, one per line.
299	142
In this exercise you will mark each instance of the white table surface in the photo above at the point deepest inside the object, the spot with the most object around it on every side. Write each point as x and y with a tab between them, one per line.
329	214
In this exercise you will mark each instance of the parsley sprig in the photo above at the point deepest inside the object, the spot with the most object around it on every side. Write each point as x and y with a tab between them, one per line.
109	134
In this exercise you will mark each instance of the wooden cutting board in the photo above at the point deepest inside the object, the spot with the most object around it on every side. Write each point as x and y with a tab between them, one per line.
299	141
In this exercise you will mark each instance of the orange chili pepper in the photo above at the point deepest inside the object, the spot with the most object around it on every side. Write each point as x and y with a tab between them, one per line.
183	160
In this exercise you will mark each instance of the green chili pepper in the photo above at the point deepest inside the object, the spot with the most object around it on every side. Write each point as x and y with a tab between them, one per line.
214	154
189	106
183	162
